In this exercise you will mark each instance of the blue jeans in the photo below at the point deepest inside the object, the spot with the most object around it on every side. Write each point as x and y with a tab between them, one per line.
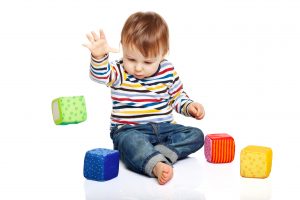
142	146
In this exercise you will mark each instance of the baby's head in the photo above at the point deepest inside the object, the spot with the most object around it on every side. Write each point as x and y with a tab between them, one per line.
147	32
145	42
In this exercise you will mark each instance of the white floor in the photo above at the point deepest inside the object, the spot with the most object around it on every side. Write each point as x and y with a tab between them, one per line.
195	178
49	165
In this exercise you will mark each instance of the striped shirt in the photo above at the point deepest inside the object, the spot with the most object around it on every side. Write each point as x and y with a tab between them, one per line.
140	101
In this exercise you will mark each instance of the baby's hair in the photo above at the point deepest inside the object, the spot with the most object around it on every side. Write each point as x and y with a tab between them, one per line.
146	31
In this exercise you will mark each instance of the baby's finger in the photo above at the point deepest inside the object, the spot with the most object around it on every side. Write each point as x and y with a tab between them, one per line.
199	108
87	46
202	115
193	111
102	35
96	37
113	50
90	38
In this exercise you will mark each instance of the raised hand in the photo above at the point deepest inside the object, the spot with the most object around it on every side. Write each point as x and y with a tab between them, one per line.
196	110
98	45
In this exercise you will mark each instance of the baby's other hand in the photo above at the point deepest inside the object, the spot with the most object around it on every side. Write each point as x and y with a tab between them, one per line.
98	45
196	110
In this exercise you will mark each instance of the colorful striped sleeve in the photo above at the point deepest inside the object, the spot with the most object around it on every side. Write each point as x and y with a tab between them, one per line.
179	99
101	71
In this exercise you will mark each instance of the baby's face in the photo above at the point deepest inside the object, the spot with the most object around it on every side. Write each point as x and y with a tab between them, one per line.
139	66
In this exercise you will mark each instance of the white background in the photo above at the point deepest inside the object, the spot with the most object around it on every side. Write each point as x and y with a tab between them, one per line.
239	58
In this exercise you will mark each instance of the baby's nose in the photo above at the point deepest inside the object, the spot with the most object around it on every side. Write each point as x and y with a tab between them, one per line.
138	67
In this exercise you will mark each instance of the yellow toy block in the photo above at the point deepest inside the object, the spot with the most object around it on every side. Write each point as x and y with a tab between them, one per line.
255	162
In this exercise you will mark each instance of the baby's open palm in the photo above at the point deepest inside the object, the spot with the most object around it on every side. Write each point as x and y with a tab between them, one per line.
98	45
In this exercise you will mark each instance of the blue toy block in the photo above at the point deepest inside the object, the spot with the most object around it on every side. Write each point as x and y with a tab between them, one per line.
101	164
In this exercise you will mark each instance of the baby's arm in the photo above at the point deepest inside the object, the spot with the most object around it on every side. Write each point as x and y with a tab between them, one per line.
101	70
181	102
179	99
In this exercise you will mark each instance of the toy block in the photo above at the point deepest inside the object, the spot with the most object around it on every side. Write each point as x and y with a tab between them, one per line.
219	148
101	164
69	110
255	161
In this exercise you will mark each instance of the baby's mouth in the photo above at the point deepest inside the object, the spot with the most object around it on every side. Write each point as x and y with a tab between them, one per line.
138	75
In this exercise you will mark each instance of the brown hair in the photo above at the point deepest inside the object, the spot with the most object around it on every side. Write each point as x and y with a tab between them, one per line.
146	31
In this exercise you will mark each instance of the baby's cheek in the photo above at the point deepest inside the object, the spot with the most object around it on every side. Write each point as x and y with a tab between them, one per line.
128	68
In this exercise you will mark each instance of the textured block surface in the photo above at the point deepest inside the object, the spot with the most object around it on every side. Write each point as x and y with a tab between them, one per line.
69	110
219	148
255	161
101	164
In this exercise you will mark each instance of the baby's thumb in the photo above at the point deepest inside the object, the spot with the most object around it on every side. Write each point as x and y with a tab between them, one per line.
86	46
113	50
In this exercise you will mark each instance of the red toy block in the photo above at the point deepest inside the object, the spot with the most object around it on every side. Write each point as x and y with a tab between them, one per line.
219	148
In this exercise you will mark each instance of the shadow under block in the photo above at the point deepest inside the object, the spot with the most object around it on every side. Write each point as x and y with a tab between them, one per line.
101	164
219	148
255	162
69	110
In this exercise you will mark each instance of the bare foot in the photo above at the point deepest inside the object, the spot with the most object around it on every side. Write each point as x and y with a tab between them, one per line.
163	172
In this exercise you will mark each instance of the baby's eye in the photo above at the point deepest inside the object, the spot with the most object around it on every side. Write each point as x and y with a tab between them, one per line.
148	62
131	59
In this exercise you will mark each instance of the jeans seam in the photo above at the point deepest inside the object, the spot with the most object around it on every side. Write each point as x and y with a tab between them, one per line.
155	131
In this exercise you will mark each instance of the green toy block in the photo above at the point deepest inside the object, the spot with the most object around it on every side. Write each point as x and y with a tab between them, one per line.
69	110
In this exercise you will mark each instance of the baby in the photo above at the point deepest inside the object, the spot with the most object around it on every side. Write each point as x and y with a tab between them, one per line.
145	89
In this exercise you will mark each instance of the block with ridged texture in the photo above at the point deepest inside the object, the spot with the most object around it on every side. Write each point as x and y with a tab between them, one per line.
101	164
219	148
255	161
69	110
